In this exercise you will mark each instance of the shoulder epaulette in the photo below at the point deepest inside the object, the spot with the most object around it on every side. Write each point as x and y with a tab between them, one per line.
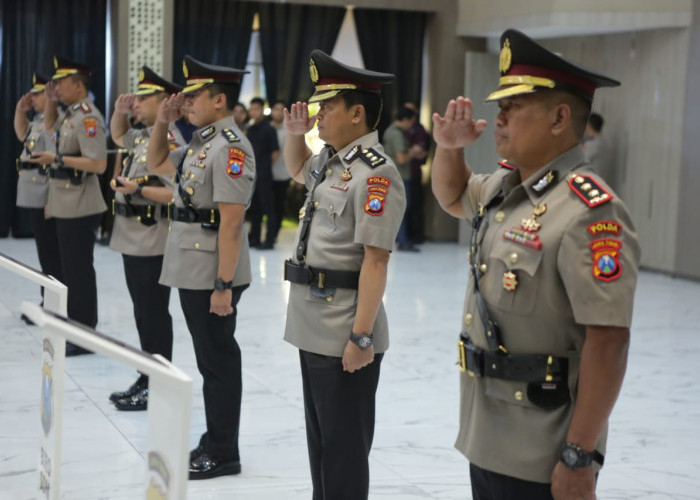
230	135
589	190
85	107
505	164
371	157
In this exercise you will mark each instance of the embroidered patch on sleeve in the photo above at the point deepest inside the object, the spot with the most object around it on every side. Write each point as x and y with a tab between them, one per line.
376	179
606	258
90	124
604	226
375	204
236	159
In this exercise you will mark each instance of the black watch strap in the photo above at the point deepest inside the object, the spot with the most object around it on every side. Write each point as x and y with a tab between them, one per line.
220	284
361	341
574	457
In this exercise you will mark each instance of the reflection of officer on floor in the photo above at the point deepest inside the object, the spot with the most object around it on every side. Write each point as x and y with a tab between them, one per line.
74	197
140	224
33	181
554	260
335	315
206	253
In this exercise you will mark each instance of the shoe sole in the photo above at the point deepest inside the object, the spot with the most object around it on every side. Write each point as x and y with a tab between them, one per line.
229	470
131	408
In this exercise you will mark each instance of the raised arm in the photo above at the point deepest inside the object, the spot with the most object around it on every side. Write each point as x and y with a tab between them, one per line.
20	122
119	123
158	149
297	123
452	133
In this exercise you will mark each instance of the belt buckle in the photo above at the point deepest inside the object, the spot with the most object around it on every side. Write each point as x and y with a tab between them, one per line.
462	358
321	280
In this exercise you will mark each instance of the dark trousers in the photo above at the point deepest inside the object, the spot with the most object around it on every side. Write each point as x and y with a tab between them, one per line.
219	362
279	199
339	408
46	243
415	211
151	300
402	236
76	243
261	204
487	485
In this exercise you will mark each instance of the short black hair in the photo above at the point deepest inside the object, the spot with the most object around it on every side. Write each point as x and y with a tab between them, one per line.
258	100
370	101
83	78
230	90
241	105
405	113
596	122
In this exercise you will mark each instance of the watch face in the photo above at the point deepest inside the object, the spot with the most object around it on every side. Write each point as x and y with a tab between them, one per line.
569	456
365	342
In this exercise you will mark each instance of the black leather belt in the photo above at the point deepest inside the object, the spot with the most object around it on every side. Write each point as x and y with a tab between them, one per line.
25	165
522	368
144	213
73	174
209	218
321	278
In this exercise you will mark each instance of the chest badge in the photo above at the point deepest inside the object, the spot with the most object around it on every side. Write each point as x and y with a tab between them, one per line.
530	224
345	175
510	281
202	155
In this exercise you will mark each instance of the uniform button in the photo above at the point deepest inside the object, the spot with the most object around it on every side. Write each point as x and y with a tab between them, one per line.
518	395
329	299
483	268
67	185
500	215
468	318
329	172
196	245
514	257
33	179
316	204
330	208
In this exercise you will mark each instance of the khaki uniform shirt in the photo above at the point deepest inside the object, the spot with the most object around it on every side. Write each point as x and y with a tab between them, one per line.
81	132
585	273
365	210
33	188
129	236
218	166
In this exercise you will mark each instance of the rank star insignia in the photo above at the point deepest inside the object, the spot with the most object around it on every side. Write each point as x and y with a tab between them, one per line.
510	281
530	224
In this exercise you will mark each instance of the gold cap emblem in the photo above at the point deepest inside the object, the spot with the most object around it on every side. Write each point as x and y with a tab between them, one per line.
142	75
506	57
34	79
55	62
313	71
184	69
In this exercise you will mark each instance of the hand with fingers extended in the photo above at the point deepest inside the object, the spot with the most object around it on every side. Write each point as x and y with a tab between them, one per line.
125	103
457	128
51	93
171	108
25	103
297	120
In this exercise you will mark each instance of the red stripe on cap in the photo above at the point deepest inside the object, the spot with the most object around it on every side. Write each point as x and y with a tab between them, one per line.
365	85
584	84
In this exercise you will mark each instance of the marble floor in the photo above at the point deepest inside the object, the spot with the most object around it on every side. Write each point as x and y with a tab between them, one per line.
654	448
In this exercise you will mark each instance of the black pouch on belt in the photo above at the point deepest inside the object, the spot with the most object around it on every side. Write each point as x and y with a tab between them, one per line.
551	395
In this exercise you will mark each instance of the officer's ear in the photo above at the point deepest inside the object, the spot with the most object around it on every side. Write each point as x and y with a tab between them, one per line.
358	114
561	118
220	101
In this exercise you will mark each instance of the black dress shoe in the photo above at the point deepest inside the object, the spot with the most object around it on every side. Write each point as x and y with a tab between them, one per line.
75	350
205	466
135	402
196	452
266	246
140	383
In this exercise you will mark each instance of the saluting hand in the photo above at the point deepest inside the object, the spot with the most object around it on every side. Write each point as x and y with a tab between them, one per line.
220	302
297	120
50	91
355	358
457	128
171	108
125	103
570	484
25	103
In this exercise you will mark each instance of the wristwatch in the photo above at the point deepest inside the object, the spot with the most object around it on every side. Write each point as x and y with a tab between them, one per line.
139	189
220	284
59	159
361	341
574	457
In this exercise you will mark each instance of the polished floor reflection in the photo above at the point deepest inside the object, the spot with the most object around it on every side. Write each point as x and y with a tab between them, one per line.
654	451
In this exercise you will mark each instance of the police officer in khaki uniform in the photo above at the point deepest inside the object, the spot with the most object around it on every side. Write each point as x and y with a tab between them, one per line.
206	252
141	224
553	269
33	181
338	271
74	198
